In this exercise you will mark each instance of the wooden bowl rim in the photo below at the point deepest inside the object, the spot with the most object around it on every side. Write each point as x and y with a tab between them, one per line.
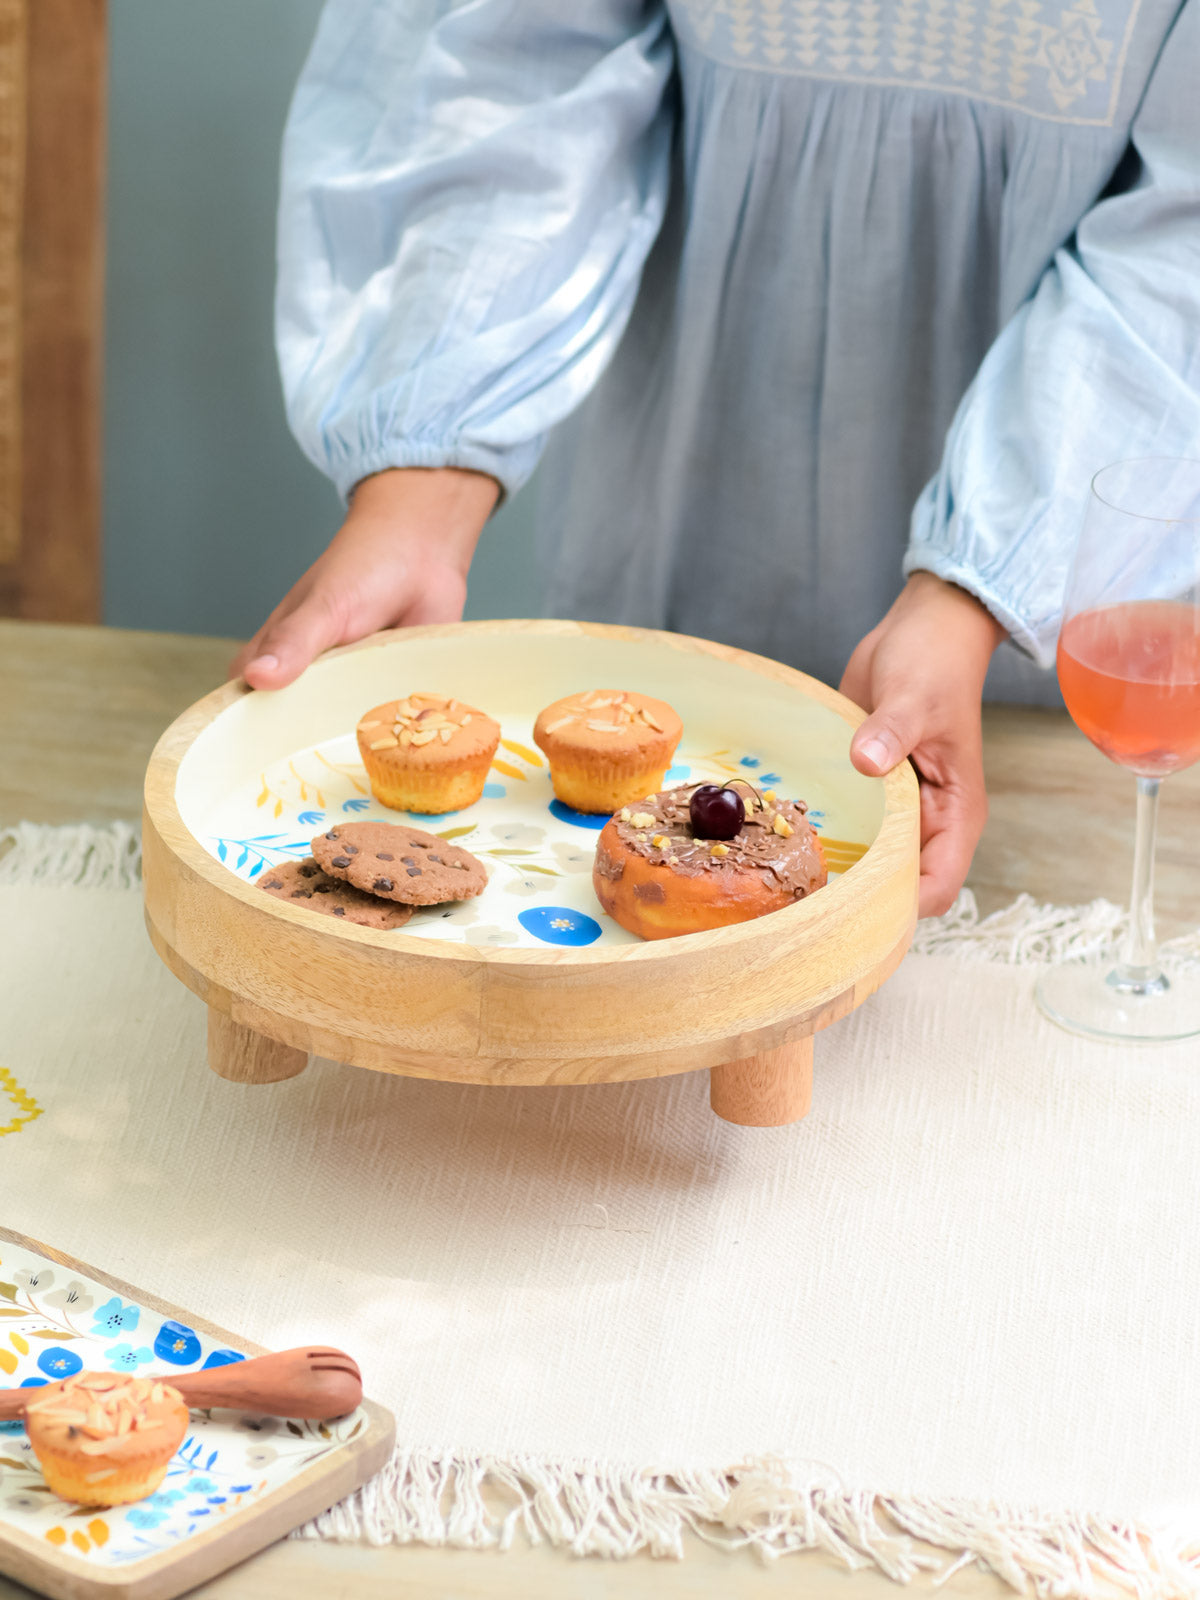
901	800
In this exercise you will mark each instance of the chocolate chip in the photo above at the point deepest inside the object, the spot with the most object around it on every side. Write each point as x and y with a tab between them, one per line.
273	883
383	885
409	861
309	869
339	911
331	835
340	861
438	859
414	872
322	888
384	856
351	849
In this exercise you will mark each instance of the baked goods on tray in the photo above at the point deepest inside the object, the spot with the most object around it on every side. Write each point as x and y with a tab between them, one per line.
703	856
104	1439
607	747
427	752
303	883
398	863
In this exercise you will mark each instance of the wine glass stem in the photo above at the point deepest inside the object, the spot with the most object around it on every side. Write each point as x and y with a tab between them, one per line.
1138	971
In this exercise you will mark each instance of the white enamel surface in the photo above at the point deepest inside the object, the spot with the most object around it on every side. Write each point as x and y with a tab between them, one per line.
274	770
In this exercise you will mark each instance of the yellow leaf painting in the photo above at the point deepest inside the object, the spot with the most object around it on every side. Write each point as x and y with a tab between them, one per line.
8	1361
509	770
56	1535
98	1531
522	750
18	1343
25	1104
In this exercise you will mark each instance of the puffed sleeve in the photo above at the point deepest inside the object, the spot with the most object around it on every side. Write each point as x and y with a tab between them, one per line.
470	189
1101	364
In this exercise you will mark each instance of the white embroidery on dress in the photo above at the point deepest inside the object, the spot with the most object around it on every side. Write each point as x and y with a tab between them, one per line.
1009	52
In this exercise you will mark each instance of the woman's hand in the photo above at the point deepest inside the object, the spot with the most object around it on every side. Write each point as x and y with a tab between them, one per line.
920	675
401	557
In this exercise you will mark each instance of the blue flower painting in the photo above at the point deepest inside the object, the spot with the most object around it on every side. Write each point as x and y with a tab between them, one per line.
58	1362
114	1317
177	1344
125	1358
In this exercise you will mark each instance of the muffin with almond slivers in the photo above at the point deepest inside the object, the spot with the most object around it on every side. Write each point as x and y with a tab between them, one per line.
607	747
427	753
104	1439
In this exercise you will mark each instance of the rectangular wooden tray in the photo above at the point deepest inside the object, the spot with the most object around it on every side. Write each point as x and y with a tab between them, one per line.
185	1534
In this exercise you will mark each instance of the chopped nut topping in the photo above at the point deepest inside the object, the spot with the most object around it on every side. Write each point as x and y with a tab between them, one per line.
641	819
659	841
625	813
769	796
782	827
719	850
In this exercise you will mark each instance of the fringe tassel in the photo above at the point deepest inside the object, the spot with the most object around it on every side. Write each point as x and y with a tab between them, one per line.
770	1506
81	856
1028	934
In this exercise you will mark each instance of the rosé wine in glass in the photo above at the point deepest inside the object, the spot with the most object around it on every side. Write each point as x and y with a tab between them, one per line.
1129	670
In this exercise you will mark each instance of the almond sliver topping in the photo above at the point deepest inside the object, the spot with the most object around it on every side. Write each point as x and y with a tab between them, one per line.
447	734
602	727
646	717
559	722
388	742
424	738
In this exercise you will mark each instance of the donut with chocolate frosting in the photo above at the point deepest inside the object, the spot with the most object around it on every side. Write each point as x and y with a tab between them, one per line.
654	876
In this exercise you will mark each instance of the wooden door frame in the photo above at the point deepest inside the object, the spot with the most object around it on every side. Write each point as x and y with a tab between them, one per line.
52	172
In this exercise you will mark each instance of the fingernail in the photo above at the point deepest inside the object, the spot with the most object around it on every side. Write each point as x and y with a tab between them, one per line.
876	751
267	663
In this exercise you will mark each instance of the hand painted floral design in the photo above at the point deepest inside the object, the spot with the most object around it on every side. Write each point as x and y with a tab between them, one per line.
34	1281
262	1426
206	1478
490	934
177	1344
222	1358
74	1297
527	883
124	1358
114	1317
518	835
57	1362
572	857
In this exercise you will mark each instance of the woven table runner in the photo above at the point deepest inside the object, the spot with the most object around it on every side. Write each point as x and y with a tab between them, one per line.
957	1301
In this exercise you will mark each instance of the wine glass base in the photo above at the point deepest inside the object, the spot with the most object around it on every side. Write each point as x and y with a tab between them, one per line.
1085	999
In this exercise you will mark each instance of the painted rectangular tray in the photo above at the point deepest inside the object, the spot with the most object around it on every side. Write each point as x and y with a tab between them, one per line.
236	1484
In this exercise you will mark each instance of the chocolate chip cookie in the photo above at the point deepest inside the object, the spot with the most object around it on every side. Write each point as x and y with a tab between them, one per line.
302	883
399	863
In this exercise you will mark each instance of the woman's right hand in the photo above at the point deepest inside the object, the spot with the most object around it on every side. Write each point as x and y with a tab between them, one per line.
401	557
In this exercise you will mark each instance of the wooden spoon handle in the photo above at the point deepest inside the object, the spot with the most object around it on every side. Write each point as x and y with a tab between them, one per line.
315	1382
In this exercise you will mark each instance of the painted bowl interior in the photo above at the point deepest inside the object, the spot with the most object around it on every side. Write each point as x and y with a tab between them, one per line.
275	769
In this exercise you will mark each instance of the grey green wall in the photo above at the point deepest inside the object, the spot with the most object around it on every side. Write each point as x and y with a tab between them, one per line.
210	509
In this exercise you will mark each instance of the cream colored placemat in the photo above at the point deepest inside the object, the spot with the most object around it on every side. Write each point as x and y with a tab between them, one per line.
959	1297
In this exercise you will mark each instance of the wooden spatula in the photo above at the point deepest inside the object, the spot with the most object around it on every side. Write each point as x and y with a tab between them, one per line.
312	1382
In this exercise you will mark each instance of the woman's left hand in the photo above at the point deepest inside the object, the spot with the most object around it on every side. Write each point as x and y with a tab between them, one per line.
920	676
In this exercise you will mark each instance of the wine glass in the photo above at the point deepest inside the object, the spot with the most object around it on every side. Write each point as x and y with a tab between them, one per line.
1129	670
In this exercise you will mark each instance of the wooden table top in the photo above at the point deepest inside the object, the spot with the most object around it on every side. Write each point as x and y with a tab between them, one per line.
81	710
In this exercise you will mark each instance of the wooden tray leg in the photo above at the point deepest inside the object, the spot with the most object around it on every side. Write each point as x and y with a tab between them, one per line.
243	1056
767	1090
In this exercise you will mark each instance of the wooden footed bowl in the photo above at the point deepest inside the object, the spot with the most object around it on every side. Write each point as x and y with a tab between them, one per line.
510	988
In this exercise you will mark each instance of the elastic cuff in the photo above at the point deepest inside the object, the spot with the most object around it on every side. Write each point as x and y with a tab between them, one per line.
930	558
511	468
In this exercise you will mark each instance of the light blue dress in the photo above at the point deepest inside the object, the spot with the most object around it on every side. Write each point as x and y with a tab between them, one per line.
810	292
